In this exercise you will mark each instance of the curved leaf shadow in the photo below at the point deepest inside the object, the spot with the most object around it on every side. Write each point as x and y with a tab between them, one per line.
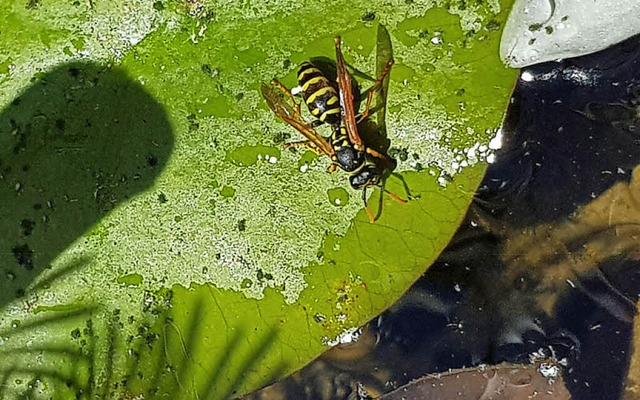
63	363
6	375
80	140
76	143
162	362
42	320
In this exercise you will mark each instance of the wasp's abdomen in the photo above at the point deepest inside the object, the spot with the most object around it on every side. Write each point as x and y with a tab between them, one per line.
321	98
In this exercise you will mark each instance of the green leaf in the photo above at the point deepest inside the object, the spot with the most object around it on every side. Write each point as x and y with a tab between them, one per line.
159	239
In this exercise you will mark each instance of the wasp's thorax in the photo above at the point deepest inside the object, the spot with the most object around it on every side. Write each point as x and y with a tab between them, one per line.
347	157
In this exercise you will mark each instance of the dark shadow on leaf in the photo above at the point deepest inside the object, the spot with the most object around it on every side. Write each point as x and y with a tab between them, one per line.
276	373
384	53
62	272
210	390
31	389
189	343
51	376
80	140
91	355
4	382
102	385
43	320
62	359
374	133
266	342
62	350
160	361
164	357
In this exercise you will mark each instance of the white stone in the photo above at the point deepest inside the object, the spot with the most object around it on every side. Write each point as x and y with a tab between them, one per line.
544	30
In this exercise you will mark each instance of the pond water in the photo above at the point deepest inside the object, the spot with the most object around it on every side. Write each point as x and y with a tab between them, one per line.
545	264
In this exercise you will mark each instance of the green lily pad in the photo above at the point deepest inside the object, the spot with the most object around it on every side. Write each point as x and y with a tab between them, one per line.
159	239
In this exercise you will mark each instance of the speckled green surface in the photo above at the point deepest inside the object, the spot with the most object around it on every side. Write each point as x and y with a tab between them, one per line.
138	156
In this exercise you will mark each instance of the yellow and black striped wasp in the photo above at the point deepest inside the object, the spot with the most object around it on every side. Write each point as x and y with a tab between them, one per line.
346	148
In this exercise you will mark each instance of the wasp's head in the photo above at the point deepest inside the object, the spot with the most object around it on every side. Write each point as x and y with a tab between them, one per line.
367	176
349	158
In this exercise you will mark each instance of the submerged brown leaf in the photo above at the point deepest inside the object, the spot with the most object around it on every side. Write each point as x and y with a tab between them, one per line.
490	383
554	255
632	386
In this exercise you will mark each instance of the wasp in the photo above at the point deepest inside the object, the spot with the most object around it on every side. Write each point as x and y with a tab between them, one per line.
346	148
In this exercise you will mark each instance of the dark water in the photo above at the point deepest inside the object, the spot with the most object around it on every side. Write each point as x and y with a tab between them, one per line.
546	261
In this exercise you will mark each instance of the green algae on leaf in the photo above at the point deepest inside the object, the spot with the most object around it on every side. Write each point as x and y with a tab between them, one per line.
130	280
338	196
213	259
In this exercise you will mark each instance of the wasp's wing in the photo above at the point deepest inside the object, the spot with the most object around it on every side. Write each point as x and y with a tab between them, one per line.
288	114
346	98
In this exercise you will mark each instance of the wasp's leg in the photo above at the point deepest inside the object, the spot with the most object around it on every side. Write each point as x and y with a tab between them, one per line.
376	86
395	196
404	186
332	168
305	143
288	93
376	154
370	214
